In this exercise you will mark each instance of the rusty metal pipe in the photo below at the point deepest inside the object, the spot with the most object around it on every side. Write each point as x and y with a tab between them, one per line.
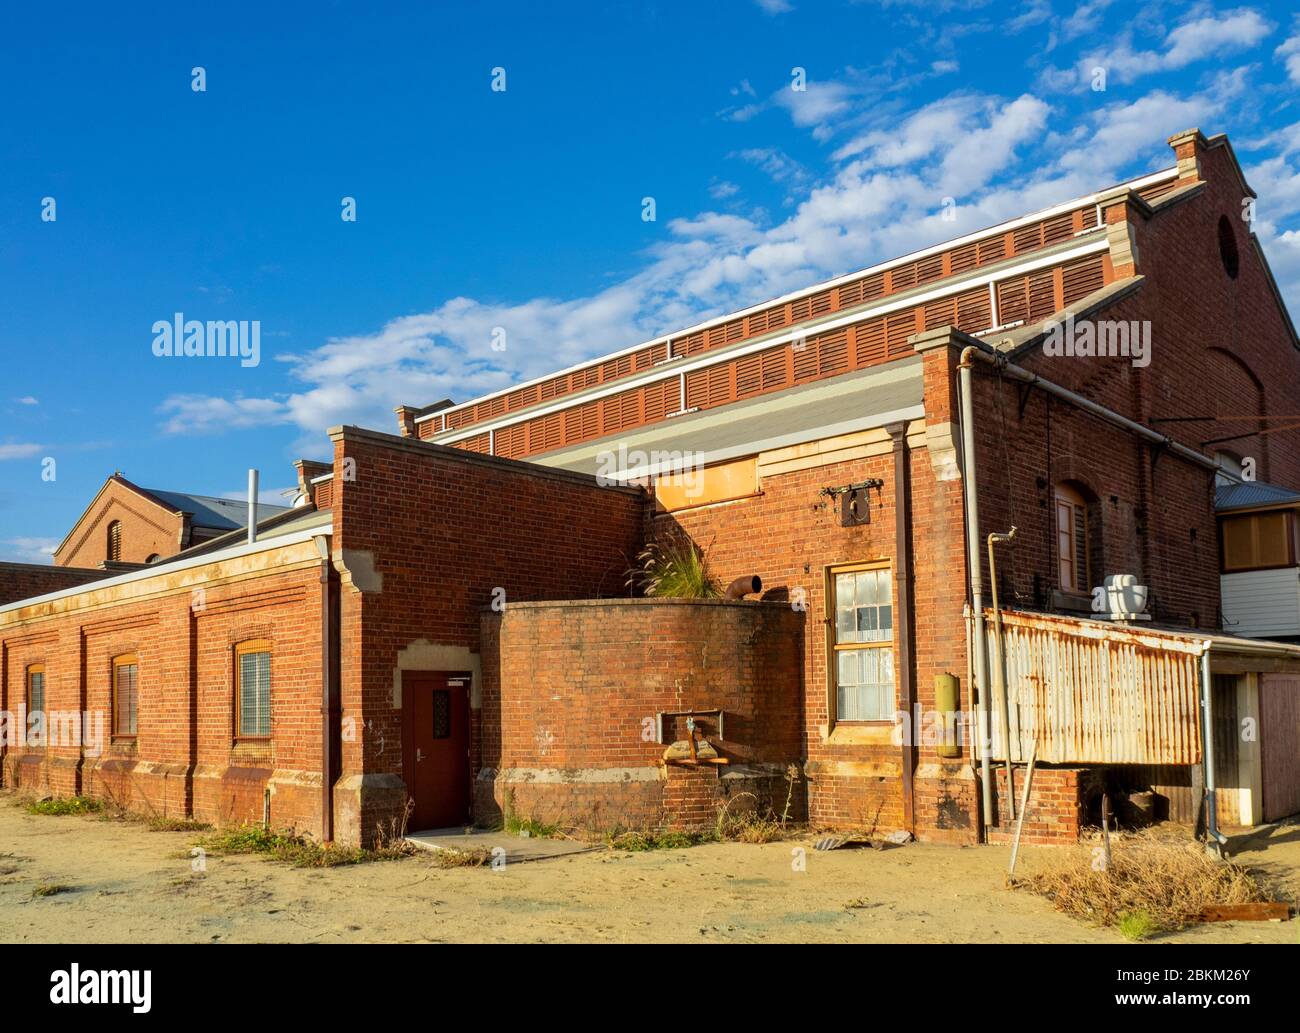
1000	665
750	584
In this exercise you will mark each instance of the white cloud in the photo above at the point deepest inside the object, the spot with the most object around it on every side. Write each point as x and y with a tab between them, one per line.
882	197
775	6
28	400
203	414
1198	38
721	189
775	163
1289	51
20	451
29	550
815	106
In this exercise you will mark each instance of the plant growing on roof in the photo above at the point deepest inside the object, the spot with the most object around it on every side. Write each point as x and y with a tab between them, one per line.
673	569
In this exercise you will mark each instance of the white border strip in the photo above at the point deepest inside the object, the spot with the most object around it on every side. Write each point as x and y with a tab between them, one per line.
233	552
1003	227
749	448
719	356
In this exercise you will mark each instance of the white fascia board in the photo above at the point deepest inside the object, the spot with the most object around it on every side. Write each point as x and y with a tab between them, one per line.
233	552
1003	227
719	356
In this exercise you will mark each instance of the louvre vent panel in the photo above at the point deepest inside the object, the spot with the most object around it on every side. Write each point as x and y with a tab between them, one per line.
929	269
897	330
1042	296
1019	299
749	376
833	354
1058	229
869	346
1082	278
1013	300
903	277
941	313
992	250
974	311
964	258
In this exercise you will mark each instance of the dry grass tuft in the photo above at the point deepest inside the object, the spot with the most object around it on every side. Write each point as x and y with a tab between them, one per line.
1168	884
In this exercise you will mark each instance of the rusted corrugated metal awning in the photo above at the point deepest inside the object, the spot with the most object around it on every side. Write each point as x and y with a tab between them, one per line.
1094	692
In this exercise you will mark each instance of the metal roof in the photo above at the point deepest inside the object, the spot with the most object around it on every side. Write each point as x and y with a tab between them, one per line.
207	511
1250	494
857	401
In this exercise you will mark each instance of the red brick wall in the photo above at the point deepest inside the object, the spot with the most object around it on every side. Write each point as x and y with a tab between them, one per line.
184	760
1220	347
572	690
147	528
24	580
445	528
788	536
1055	813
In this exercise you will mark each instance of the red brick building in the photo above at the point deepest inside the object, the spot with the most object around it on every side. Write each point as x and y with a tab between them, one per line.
127	524
446	621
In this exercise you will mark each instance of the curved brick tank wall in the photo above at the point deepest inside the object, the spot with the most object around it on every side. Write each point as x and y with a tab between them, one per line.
571	697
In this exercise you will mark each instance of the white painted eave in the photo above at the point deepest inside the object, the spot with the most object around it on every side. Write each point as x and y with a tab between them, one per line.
233	552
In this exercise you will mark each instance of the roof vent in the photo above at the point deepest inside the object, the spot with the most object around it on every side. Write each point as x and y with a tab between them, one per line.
1123	599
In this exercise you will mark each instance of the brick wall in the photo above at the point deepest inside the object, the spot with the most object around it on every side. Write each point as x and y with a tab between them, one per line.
424	534
789	535
24	580
1056	807
1220	347
147	528
185	759
572	690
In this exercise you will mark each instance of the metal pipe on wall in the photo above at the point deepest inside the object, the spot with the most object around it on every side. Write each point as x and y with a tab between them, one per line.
1000	666
252	506
993	358
975	565
1216	839
903	622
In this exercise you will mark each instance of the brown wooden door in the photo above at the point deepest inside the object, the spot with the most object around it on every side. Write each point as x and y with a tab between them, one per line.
435	746
1279	740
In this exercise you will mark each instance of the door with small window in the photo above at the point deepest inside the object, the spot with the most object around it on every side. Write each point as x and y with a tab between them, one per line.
435	741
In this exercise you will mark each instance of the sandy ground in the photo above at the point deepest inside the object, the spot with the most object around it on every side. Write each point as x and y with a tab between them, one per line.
129	885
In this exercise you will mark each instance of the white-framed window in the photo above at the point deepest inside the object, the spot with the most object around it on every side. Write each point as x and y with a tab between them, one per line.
862	641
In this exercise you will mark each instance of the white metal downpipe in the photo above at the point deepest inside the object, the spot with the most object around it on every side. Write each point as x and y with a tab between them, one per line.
1216	839
252	506
974	560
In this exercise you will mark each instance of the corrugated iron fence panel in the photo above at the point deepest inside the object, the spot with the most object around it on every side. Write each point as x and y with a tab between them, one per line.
1096	694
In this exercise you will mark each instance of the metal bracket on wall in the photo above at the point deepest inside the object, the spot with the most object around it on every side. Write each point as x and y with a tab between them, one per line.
855	501
659	720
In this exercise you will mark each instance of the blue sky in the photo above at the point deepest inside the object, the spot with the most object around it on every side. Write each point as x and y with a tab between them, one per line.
523	208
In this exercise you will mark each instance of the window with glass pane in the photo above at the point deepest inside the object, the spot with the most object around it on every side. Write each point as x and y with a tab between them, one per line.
125	704
36	690
255	694
864	634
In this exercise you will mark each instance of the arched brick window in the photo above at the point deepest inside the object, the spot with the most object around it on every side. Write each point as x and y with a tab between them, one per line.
114	552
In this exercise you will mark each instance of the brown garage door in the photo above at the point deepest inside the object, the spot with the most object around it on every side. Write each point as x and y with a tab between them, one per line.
1279	739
